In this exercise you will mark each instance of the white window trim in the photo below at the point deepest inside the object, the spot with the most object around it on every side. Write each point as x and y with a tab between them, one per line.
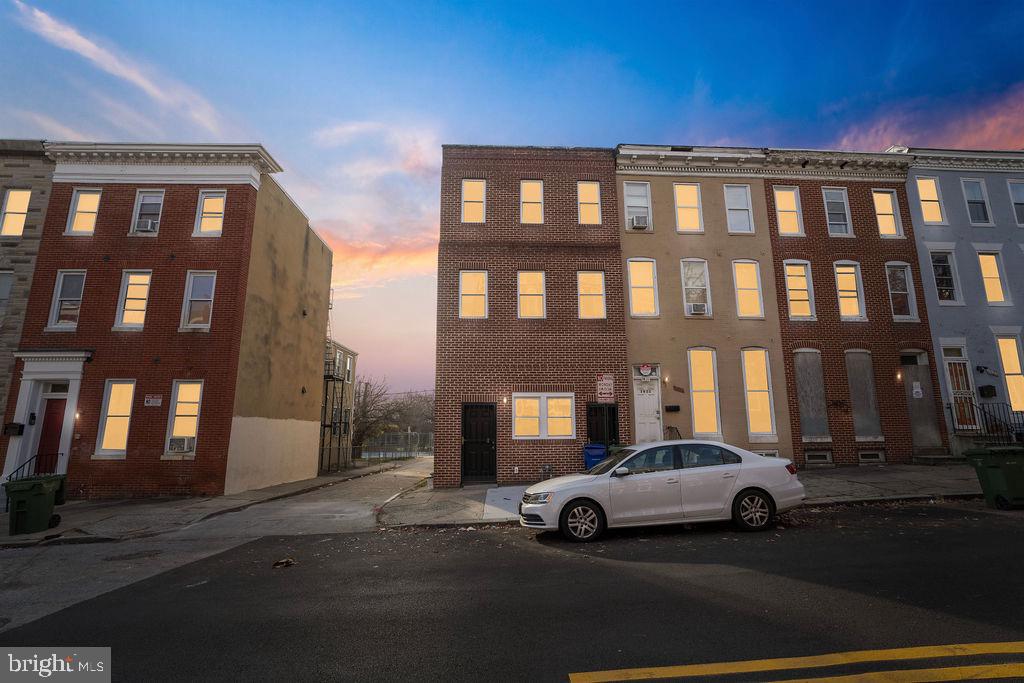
900	235
951	252
9	190
629	290
167	455
700	210
487	287
118	325
749	209
185	327
938	195
74	209
109	454
5	303
138	206
984	195
1007	333
543	415
462	201
579	202
707	285
208	192
799	211
846	205
522	200
759	437
810	289
543	296
715	436
860	291
736	289
650	205
997	251
1010	182
912	295
579	296
51	321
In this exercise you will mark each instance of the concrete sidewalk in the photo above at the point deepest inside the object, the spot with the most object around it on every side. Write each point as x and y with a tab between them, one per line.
116	520
483	504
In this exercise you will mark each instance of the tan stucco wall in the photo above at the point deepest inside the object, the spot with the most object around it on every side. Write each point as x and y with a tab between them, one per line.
267	452
664	340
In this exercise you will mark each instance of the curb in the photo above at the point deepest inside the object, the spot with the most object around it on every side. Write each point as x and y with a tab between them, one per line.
379	510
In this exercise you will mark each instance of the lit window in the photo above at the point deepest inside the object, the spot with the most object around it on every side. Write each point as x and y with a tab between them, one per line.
703	391
931	203
473	294
787	210
799	289
688	215
944	270
837	208
131	310
197	311
885	212
757	384
848	286
6	283
590	288
977	201
67	299
588	197
748	289
148	205
531	208
543	416
14	212
901	291
992	276
474	205
210	214
184	417
1017	198
643	289
531	294
85	205
1009	356
638	205
739	216
116	416
696	288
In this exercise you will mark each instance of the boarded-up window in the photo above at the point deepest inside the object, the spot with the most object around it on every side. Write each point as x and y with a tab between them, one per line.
861	377
810	391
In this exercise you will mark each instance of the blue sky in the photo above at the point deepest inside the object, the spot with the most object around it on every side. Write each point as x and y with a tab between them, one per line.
354	100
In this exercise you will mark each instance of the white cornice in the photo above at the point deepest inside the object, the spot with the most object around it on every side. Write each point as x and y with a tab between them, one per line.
53	356
162	174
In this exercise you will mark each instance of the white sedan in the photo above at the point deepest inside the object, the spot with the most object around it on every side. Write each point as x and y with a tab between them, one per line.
663	483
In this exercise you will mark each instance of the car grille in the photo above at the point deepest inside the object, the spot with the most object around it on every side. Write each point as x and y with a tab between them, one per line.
531	518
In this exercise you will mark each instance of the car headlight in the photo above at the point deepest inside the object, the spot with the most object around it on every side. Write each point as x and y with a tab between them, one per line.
536	498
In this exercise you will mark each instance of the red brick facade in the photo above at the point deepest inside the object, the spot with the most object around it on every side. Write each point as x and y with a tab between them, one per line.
487	360
883	337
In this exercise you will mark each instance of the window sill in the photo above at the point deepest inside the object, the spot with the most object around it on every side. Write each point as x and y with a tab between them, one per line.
952	303
178	456
906	320
206	234
893	237
853	320
699	317
983	225
763	438
741	234
132	233
1001	304
869	439
792	234
199	330
53	328
812	319
11	238
816	439
750	317
544	438
937	225
109	456
688	232
843	237
79	234
126	328
644	317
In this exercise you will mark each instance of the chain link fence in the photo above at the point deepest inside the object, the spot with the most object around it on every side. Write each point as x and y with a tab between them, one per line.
396	445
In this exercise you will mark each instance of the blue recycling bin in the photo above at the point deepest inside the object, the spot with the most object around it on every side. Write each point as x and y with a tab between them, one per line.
593	453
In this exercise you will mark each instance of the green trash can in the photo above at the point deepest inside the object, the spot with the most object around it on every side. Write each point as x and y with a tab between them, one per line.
30	504
1000	471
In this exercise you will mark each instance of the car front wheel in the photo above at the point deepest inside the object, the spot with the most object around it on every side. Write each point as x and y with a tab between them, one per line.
753	511
582	521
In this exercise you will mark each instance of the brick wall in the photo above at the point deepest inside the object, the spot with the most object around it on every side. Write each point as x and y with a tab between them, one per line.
879	334
487	360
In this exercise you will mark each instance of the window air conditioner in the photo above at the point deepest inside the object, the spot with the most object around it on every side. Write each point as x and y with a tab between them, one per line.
181	444
146	225
696	309
639	222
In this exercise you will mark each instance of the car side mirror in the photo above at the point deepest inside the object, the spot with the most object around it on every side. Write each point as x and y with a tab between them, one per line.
621	471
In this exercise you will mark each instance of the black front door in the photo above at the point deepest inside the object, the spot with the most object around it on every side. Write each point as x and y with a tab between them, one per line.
479	437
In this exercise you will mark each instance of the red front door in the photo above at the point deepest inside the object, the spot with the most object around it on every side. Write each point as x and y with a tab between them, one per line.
49	437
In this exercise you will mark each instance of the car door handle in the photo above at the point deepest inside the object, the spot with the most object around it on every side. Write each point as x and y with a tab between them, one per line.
728	475
671	481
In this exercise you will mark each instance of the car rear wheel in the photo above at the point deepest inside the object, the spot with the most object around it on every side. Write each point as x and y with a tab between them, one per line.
582	521
753	511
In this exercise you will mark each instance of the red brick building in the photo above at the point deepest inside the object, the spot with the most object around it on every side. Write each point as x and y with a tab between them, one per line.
529	313
858	351
173	340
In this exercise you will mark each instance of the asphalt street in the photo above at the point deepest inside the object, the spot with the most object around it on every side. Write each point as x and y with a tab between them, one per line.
506	604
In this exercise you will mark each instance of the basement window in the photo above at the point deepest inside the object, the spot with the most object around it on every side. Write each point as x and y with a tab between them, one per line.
818	458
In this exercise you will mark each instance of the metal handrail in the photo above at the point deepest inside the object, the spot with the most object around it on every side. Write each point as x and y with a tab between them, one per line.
997	422
45	463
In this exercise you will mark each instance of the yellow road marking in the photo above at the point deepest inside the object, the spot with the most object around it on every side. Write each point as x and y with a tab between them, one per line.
954	673
808	662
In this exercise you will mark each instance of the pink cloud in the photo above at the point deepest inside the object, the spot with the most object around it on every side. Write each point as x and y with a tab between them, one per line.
360	264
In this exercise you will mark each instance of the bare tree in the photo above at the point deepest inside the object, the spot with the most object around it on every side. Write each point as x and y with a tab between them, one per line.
374	412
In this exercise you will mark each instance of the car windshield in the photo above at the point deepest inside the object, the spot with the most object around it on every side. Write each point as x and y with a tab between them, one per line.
609	463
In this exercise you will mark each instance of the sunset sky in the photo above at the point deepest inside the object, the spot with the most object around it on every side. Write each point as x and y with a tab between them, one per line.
355	99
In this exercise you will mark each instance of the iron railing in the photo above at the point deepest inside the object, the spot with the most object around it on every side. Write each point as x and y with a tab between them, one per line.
996	423
40	463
